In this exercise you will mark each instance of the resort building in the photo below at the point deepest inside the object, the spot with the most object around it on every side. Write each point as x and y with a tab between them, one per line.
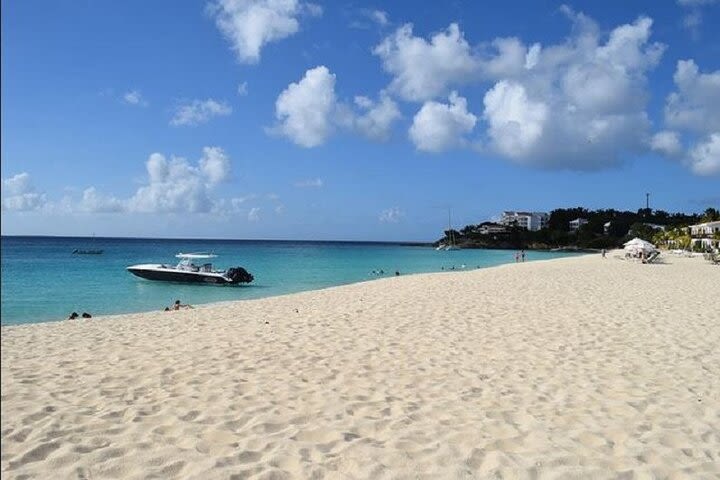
706	234
577	223
489	228
606	228
528	220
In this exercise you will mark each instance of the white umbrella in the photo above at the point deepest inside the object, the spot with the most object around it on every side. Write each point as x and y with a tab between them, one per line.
639	242
637	245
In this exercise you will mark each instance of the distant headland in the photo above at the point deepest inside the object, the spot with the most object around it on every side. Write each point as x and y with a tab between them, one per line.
582	229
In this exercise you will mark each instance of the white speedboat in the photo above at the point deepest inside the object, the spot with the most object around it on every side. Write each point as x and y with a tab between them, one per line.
187	271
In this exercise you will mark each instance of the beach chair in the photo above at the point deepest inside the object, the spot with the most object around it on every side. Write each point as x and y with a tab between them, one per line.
652	257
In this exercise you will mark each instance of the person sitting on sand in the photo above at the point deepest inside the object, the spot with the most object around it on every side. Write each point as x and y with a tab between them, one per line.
73	316
178	305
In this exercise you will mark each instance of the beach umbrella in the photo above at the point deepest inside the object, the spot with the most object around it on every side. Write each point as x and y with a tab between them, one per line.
637	245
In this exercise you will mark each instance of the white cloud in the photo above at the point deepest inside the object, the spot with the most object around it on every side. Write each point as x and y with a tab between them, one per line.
705	156
215	164
309	183
19	195
251	24
94	202
696	104
367	17
134	97
441	126
579	104
177	186
516	122
308	112
380	17
391	215
667	143
199	111
280	209
242	89
304	109
694	111
254	214
376	121
424	69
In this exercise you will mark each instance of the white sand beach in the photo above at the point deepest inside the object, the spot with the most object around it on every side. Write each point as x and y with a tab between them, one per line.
570	368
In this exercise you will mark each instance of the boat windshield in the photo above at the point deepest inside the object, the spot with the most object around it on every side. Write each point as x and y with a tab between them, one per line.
187	264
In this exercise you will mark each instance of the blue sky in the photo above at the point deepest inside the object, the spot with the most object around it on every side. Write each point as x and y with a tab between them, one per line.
347	120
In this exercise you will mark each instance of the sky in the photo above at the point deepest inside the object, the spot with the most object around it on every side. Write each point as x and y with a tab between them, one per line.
286	119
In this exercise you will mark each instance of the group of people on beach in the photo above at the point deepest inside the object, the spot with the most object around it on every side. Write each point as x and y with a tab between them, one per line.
520	256
380	272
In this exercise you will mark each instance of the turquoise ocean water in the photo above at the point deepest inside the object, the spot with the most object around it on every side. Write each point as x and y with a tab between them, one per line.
43	281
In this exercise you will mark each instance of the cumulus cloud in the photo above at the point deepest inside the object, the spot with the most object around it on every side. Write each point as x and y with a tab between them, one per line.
176	186
516	122
251	24
424	69
696	103
309	183
667	143
577	105
214	164
134	97
308	111
94	202
391	215
693	110
19	195
377	118
441	126
198	112
705	156
303	110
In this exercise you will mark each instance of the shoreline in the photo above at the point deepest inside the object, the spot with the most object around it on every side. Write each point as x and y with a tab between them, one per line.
365	280
574	366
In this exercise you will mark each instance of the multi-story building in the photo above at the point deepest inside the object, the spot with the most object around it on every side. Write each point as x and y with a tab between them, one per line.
577	223
489	228
706	234
528	220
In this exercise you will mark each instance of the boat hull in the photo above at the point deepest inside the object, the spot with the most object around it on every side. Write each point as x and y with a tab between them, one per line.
169	274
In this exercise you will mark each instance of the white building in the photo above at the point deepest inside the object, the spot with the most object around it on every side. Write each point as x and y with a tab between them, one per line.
490	228
577	223
528	220
606	228
703	234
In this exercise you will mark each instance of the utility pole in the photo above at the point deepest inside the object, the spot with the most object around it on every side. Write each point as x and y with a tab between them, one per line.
647	201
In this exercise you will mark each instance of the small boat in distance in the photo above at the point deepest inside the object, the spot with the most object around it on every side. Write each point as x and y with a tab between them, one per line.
187	271
88	251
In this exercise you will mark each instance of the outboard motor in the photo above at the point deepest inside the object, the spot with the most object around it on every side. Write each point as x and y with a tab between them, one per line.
239	275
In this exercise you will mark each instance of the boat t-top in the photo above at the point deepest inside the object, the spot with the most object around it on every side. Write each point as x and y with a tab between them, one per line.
188	271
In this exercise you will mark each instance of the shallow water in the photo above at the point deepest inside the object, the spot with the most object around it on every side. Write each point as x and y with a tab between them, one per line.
42	280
